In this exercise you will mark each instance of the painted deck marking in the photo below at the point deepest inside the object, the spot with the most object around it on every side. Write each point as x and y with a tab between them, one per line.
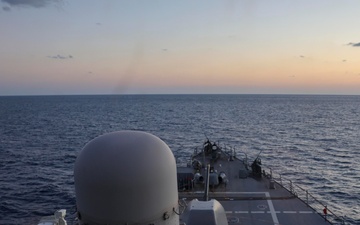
269	212
270	204
255	212
272	210
289	212
241	211
306	212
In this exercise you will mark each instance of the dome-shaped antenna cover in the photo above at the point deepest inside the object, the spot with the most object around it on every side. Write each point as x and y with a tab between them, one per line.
126	177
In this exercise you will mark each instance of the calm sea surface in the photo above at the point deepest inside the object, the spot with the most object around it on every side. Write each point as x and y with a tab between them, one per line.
313	140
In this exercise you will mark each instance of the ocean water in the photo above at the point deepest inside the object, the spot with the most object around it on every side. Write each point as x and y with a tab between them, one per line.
312	140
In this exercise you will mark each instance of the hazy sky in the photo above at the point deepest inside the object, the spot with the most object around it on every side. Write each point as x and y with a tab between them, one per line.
195	46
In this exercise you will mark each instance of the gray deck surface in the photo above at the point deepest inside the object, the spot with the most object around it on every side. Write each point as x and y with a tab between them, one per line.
250	200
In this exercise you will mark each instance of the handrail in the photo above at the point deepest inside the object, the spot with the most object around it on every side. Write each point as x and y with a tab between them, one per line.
304	195
287	184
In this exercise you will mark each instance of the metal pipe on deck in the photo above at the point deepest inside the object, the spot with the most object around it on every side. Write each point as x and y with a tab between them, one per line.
207	178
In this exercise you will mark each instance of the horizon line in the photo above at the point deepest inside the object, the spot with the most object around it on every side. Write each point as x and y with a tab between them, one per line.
143	94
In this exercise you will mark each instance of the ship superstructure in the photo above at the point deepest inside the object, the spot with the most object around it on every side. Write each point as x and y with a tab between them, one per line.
131	177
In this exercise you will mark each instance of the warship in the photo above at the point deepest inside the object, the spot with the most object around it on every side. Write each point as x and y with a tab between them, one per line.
131	177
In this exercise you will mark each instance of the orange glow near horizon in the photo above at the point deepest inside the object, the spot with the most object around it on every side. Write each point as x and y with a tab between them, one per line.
272	47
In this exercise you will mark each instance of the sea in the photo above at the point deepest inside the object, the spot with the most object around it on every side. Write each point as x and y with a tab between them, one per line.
313	140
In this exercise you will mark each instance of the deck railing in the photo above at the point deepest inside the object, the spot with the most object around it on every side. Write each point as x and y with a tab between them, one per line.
304	195
301	193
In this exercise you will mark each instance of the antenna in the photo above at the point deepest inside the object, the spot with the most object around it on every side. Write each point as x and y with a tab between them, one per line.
258	155
206	136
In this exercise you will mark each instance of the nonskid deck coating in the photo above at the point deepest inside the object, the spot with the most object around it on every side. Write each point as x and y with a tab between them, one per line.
250	200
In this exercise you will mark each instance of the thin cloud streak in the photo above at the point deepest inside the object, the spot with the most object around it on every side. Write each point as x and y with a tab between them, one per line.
29	3
60	57
354	44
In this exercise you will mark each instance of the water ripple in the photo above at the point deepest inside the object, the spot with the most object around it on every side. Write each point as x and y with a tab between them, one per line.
313	140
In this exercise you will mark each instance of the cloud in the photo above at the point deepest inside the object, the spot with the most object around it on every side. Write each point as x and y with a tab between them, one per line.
60	57
354	44
6	8
30	3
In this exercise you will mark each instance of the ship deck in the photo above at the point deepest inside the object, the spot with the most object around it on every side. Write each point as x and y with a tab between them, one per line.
247	198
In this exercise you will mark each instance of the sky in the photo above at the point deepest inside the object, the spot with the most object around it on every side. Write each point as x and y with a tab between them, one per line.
58	47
